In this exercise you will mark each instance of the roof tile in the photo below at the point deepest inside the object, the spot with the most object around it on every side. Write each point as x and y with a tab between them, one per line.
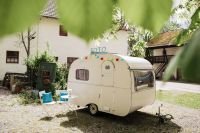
50	9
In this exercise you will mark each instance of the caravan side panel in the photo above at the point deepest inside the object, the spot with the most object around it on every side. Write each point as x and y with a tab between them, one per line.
86	93
87	90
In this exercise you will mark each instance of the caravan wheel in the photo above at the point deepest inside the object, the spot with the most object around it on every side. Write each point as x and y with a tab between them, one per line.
93	109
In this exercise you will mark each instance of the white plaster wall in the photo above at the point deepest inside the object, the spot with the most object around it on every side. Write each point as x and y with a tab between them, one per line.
117	44
170	51
47	31
159	52
9	44
72	46
60	46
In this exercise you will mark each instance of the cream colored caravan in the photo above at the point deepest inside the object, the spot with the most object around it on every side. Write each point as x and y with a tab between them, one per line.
112	83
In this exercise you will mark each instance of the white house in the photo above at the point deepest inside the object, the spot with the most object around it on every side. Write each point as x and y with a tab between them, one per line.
63	45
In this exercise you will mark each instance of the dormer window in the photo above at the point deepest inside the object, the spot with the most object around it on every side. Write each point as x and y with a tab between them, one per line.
62	31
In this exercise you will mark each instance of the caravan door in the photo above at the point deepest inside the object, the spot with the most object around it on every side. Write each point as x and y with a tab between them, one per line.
107	81
107	73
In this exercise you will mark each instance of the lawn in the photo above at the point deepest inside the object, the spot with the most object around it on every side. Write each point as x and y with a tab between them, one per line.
187	99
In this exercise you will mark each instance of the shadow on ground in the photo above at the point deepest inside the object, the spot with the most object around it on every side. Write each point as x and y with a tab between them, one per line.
106	123
46	118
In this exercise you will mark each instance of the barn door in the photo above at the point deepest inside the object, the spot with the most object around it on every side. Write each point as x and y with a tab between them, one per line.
107	73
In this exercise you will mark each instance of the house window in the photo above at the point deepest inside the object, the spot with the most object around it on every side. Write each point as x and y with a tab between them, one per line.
12	56
62	32
82	74
70	60
144	79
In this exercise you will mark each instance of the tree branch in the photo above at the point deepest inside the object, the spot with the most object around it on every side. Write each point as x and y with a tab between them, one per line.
23	42
32	36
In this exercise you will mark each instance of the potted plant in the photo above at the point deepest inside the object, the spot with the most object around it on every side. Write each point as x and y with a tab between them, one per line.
17	87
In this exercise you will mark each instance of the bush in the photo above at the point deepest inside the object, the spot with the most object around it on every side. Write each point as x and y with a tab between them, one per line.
27	97
34	62
61	71
61	77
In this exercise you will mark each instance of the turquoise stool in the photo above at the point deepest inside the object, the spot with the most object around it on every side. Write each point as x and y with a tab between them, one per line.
47	97
63	94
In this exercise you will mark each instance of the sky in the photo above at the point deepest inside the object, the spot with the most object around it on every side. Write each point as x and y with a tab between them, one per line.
176	3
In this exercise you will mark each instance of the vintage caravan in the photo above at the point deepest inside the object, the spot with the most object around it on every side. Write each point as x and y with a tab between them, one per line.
112	83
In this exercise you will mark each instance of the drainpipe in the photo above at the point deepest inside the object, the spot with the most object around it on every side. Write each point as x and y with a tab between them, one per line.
38	23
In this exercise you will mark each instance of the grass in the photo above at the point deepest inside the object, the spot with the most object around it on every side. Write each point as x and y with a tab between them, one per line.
186	99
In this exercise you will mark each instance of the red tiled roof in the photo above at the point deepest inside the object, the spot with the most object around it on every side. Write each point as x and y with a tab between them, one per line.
162	39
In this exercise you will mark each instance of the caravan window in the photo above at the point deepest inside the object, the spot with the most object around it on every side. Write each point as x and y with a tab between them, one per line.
82	74
143	79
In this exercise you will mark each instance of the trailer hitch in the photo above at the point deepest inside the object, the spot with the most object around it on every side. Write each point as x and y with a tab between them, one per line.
163	118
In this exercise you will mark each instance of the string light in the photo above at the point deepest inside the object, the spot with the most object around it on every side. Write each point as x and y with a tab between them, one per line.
103	58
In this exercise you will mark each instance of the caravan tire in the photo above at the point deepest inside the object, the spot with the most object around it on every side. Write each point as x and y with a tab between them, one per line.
93	109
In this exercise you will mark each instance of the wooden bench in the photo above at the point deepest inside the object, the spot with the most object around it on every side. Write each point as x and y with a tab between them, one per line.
23	78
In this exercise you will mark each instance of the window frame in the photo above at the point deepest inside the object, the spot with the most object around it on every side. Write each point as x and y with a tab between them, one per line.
62	32
144	86
15	57
86	75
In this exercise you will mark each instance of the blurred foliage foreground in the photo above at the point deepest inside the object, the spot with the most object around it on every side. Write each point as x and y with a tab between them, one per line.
89	19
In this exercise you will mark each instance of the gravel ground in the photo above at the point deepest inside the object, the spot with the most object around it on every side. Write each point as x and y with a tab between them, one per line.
33	118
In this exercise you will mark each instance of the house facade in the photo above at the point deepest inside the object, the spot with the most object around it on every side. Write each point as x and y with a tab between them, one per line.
160	51
63	45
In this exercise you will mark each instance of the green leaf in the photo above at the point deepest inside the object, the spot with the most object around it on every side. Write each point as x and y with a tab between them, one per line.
86	18
150	14
183	37
191	62
195	19
188	60
17	15
173	65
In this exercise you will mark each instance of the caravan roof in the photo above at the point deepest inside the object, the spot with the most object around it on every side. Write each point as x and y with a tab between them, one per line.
132	62
136	63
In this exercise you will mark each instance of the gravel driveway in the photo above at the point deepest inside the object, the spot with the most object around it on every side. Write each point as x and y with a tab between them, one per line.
32	118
